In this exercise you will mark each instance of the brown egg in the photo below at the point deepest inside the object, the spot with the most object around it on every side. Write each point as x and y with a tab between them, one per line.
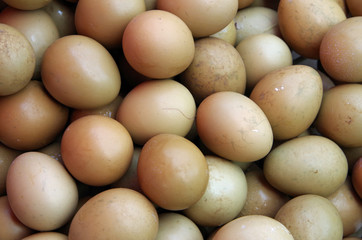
203	17
17	60
27	5
80	73
7	155
310	217
340	116
31	119
357	177
172	171
290	97
157	106
340	51
349	206
158	44
244	3
232	126
41	193
303	23
262	198
263	53
97	150
63	16
11	227
253	227
117	213
306	165
354	7
106	20
37	26
255	20
224	197
46	236
175	226
227	34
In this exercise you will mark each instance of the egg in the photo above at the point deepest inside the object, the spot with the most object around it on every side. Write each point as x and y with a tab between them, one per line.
290	97
354	7
97	150
357	177
7	155
173	225
41	193
158	44
253	227
31	119
106	20
47	236
244	3
340	116
224	197
80	73
18	60
340	51
310	217
26	5
11	227
232	126
261	54
227	34
37	26
349	206
117	213
172	171
303	23
306	165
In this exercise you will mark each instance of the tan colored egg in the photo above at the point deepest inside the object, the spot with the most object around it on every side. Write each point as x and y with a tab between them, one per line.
97	150
262	198
340	51
203	17
47	236
354	7
11	227
172	171
244	3
17	60
349	206
340	116
106	20
175	226
263	53
224	197
217	66
228	33
41	193
31	119
158	44
117	213
232	126
27	5
80	73
157	106
253	227
7	155
303	23
310	217
37	26
63	17
290	97
255	20
306	165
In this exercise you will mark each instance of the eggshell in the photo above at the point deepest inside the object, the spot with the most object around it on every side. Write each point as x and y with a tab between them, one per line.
47	236
97	150
311	217
306	165
224	197
27	5
354	7
232	126
290	97
17	60
117	213
41	193
253	227
227	34
303	23
340	117
357	177
172	171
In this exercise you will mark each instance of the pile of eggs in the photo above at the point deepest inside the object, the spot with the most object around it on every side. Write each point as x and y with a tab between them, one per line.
181	119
